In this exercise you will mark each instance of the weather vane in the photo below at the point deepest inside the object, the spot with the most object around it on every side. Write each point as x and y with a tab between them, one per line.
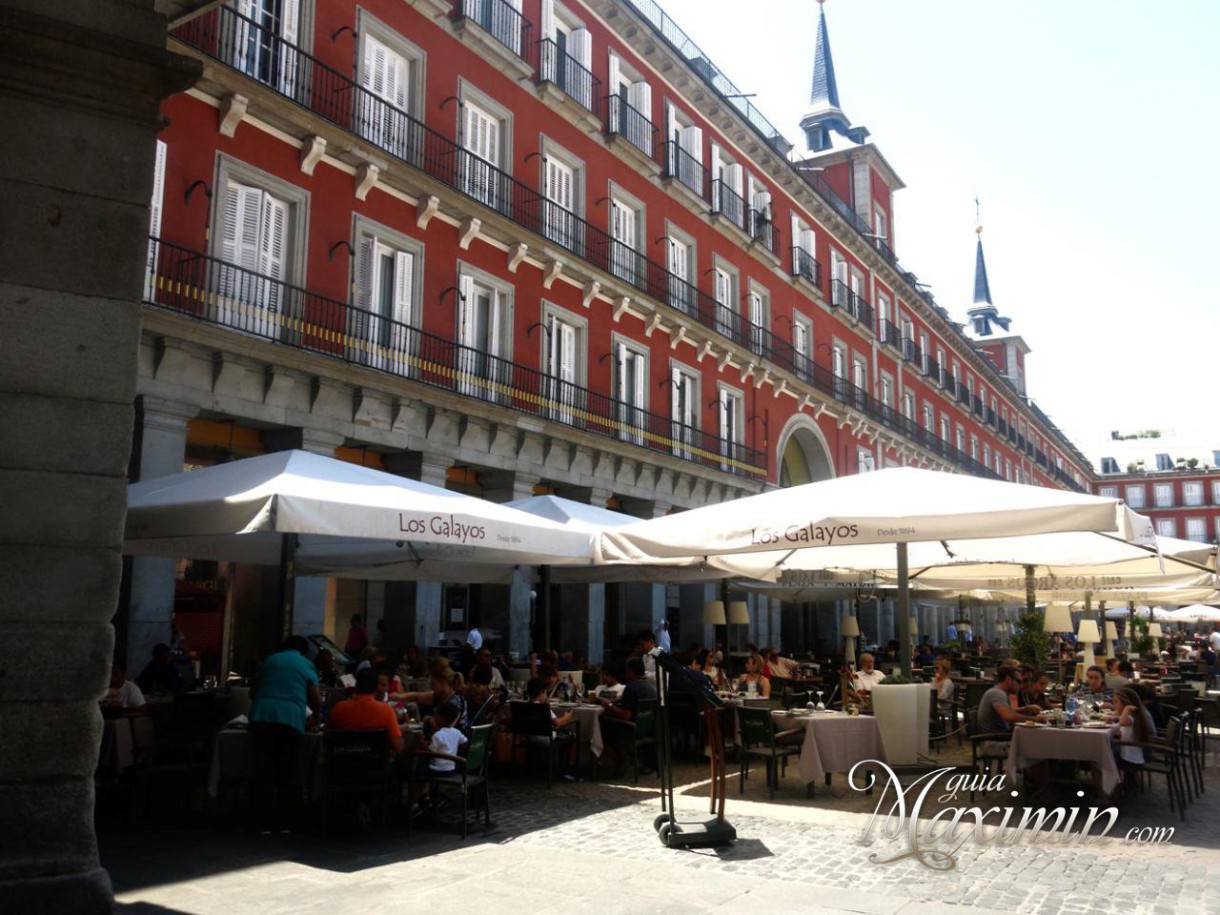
978	219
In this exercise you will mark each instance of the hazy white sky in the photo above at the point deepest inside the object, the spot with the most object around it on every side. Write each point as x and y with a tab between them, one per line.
1088	129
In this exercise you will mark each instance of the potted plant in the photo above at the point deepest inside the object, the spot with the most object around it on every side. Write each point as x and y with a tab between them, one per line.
901	705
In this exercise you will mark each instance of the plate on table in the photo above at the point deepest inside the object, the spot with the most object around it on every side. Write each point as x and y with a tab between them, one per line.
1095	725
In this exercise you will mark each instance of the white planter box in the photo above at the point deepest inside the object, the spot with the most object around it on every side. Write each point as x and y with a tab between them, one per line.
902	715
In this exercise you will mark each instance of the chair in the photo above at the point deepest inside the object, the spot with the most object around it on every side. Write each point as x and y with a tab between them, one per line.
628	737
1165	758
756	727
356	764
1209	719
1193	745
986	747
469	775
176	741
530	724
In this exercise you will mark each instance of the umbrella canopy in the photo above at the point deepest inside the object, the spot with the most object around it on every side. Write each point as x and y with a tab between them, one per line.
896	505
240	510
1143	613
1195	613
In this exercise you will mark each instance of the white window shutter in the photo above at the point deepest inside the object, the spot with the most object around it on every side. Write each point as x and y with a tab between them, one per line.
290	58
756	309
623	374
676	386
466	311
580	46
722	288
734	177
548	19
157	203
273	244
612	74
290	21
641	98
726	407
567	352
495	325
692	143
404	284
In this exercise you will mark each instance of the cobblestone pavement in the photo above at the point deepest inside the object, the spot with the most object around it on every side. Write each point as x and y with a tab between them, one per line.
588	846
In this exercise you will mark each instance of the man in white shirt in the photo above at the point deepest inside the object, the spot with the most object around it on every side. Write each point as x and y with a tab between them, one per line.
1214	638
663	638
866	676
474	638
123	693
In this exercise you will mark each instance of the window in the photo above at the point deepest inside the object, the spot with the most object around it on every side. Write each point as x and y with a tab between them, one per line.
858	302
630	110
728	182
1215	492
998	465
499	18
681	265
881	224
840	292
263	43
908	405
1109	465
724	289
974	448
804	262
631	385
483	139
1192	494
1135	496
908	338
883	320
958	438
732	419
391	71
760	310
567	53
885	391
859	380
563	187
802	346
260	235
1162	493
1007	469
838	368
1166	527
626	226
484	325
944	428
929	418
684	150
759	200
986	455
865	461
155	206
1196	529
684	410
924	354
1164	462
564	362
1108	492
388	275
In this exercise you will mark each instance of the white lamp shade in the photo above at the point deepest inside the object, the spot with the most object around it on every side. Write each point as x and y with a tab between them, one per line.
713	613
1058	618
739	613
1111	631
850	627
1155	630
1088	632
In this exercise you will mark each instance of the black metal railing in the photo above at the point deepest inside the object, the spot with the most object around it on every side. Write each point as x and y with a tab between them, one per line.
631	125
840	294
193	283
501	20
557	66
339	100
806	266
762	229
932	369
685	168
889	333
991	417
728	203
911	351
862	310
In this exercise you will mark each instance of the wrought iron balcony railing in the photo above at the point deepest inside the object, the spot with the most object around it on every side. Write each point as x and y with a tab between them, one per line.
889	333
631	125
911	351
806	266
728	203
762	229
499	19
557	66
211	290
684	167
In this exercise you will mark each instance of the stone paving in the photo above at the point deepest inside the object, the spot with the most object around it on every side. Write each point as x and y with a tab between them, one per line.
587	846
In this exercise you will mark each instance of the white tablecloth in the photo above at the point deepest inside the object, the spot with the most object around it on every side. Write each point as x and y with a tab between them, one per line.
1092	745
589	717
834	741
233	758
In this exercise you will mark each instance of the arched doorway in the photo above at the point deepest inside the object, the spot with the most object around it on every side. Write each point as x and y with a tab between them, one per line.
804	456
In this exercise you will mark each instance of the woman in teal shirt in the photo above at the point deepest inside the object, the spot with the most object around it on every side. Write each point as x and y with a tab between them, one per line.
287	687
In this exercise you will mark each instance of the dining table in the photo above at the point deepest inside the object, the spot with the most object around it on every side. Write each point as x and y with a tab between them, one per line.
1091	743
234	759
833	742
587	716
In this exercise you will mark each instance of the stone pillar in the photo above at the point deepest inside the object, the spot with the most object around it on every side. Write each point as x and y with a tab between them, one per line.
428	469
162	441
82	87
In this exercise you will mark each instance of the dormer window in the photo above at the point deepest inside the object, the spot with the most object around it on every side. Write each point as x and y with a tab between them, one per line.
1164	462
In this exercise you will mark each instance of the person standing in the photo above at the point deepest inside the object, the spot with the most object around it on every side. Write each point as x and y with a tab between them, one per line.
286	691
357	638
474	639
663	638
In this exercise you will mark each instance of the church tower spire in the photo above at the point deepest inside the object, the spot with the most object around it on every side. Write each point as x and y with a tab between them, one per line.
984	313
824	113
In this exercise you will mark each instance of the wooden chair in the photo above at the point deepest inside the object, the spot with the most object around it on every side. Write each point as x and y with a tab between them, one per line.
469	775
1165	758
756	727
356	765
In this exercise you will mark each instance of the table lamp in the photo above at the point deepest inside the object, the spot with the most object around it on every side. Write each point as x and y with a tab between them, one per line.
1111	638
739	615
850	629
713	613
1058	618
1087	634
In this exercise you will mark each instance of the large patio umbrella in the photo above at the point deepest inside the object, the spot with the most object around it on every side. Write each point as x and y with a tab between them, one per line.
1195	613
261	509
897	506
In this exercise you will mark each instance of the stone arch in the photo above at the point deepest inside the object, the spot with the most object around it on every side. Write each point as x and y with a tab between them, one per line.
803	455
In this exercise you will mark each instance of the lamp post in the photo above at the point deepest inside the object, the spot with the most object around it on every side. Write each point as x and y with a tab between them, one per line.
1058	618
739	615
1088	634
849	628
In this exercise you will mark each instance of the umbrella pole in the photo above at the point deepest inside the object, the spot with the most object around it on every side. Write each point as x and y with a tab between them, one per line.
288	574
904	611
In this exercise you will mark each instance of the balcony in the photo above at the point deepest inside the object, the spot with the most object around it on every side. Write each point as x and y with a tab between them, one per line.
685	169
219	293
861	310
563	71
912	351
840	295
221	34
728	204
889	334
806	267
932	369
763	231
624	121
991	417
500	28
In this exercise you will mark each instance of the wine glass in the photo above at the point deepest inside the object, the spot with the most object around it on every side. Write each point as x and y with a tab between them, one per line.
821	706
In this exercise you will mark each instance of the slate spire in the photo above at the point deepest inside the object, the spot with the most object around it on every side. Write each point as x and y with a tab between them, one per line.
983	315
982	291
825	91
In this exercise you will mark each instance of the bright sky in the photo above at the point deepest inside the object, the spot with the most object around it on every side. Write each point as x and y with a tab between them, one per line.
1089	131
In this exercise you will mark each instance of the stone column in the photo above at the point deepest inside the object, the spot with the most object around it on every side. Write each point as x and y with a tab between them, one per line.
82	87
151	605
430	469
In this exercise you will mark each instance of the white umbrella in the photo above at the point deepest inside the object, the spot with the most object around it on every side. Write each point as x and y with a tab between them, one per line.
1195	613
1143	613
897	505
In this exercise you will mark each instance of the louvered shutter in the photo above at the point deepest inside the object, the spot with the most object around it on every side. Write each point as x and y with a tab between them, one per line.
580	46
722	288
239	41
548	20
155	206
364	293
290	57
466	308
404	282
612	81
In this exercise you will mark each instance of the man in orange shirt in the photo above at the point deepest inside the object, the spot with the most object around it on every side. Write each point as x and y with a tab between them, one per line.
365	711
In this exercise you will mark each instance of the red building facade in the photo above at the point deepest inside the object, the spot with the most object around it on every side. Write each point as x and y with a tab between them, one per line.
527	246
